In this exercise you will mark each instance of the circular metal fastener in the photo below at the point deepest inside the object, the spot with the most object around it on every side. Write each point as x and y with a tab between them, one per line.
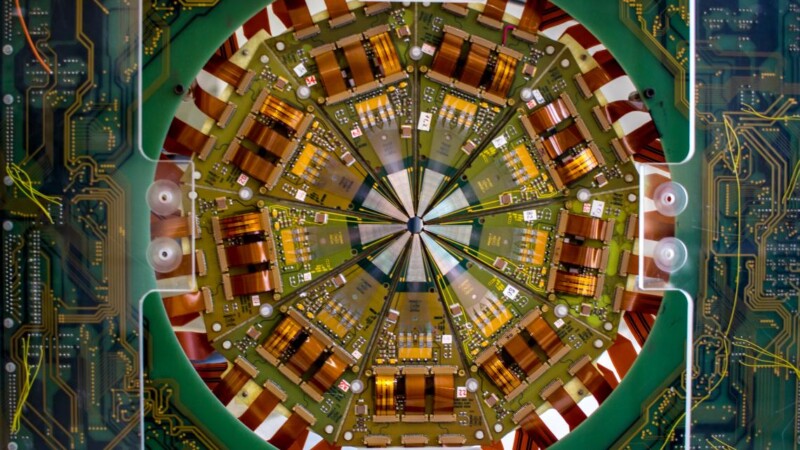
670	254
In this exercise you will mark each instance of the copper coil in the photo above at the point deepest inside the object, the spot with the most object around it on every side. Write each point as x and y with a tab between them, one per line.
582	36
500	375
183	308
652	181
544	336
570	283
622	354
183	269
532	433
331	370
650	153
495	9
564	140
210	105
616	110
651	269
299	14
211	373
292	434
384	395
359	63
640	138
222	68
550	115
475	66
258	411
594	381
503	75
608	69
229	47
173	227
331	73
532	16
232	382
566	406
254	165
337	8
658	226
304	357
168	170
640	325
195	345
553	17
415	393
586	227
243	255
444	393
447	57
183	139
268	139
283	335
641	302
242	224
581	255
578	166
522	354
251	283
281	111
387	54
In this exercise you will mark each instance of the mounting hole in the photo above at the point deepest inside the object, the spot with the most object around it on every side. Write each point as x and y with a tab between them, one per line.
670	254
670	198
164	197
649	93
164	254
357	386
179	89
265	310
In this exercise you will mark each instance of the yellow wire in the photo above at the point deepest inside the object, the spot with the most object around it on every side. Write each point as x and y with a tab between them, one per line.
24	183
27	383
786	118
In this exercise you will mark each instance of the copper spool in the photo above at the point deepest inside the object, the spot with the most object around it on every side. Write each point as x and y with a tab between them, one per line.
581	255
444	393
495	9
258	411
532	428
243	255
331	370
331	73
384	395
292	434
305	356
231	384
195	345
523	355
222	68
268	139
183	139
544	336
586	227
594	381
641	302
550	115
532	16
183	308
503	75
415	393
211	373
447	57
299	14
242	224
575	284
640	138
251	283
622	354
616	110
500	374
582	36
337	8
210	105
608	69
553	17
283	335
281	111
578	166
253	165
475	66
172	227
387	55
567	407
640	325
563	140
359	63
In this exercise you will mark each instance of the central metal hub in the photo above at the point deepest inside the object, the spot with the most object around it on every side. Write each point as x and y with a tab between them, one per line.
415	225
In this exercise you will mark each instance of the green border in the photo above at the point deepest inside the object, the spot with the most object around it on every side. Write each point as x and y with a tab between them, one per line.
664	349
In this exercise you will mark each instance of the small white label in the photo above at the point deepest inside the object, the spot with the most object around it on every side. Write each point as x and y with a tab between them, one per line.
587	207
511	292
357	354
597	208
461	392
256	300
537	95
300	70
242	180
307	276
499	142
311	80
300	195
531	104
447	339
559	323
344	385
356	132
428	49
425	119
529	215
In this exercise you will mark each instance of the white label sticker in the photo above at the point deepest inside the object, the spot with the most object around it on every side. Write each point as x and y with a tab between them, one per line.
597	208
538	96
529	215
307	276
311	80
531	104
344	385
256	300
559	323
428	49
356	132
461	392
242	180
425	119
511	292
300	195
300	70
499	142
447	339
587	207
357	354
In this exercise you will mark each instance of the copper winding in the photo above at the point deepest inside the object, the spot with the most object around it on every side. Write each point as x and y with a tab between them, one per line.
640	302
532	428
622	354
331	73
566	406
331	370
211	373
184	139
308	352
359	63
299	14
638	140
253	165
231	384
267	138
251	283
503	75
444	393
544	336
564	140
283	335
575	284
593	379
447	57
531	16
651	270
553	17
168	170
387	55
173	227
522	354
616	110
658	226
640	325
183	269
242	224
195	345
415	393
243	255
475	65
337	8
258	411
582	36
222	68
586	227
210	105
183	308
384	395
550	115
608	69
293	432
495	9
581	255
500	375
281	111
577	166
